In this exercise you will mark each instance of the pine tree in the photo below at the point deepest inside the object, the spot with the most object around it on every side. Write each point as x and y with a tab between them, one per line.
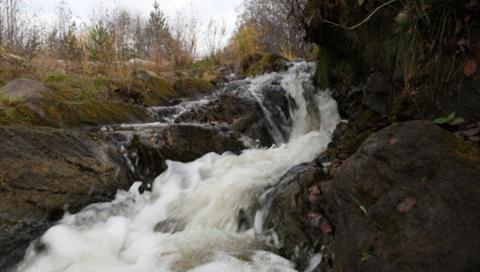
158	31
101	44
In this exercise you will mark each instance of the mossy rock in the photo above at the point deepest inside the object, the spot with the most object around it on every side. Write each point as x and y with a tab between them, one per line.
95	113
351	141
398	193
256	64
76	88
153	89
19	115
73	114
22	89
191	86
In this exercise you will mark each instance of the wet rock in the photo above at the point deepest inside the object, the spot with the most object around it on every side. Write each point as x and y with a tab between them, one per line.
301	231
147	149
44	172
346	141
189	142
237	109
408	200
279	105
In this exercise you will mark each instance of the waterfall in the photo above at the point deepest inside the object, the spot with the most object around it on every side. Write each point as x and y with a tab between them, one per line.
190	219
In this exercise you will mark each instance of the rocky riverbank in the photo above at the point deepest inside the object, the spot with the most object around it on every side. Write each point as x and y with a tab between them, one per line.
58	155
407	200
397	195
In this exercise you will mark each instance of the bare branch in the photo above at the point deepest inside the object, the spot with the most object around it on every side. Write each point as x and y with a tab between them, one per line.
363	21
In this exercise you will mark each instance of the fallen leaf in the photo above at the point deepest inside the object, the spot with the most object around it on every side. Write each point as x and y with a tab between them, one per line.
470	68
313	193
314	190
326	228
407	204
393	141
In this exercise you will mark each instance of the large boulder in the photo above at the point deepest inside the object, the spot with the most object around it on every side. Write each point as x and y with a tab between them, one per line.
289	217
23	89
52	113
151	89
44	172
30	102
146	149
279	105
408	200
239	110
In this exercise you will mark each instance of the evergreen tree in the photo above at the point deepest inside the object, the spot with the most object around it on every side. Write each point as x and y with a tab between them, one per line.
158	33
101	44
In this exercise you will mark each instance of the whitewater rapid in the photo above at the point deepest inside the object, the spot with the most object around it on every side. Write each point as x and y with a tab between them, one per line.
190	219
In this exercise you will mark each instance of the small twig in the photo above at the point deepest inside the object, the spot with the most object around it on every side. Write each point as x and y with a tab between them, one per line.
364	20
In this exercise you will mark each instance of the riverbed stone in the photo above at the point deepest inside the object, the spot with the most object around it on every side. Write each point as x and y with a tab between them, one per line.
147	149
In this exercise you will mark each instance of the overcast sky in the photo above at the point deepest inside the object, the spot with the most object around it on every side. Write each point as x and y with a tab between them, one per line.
204	10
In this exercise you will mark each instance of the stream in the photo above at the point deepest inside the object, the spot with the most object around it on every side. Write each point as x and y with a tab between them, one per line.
191	220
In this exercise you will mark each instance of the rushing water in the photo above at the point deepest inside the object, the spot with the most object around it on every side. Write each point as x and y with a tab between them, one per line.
190	219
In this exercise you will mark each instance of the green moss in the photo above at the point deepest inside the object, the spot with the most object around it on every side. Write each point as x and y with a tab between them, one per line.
324	64
75	88
246	257
191	86
8	101
54	78
352	141
21	115
93	113
74	114
260	64
467	152
390	231
206	63
155	92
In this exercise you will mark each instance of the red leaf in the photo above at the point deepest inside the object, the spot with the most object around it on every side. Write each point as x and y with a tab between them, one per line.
393	141
407	205
326	228
470	68
313	193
